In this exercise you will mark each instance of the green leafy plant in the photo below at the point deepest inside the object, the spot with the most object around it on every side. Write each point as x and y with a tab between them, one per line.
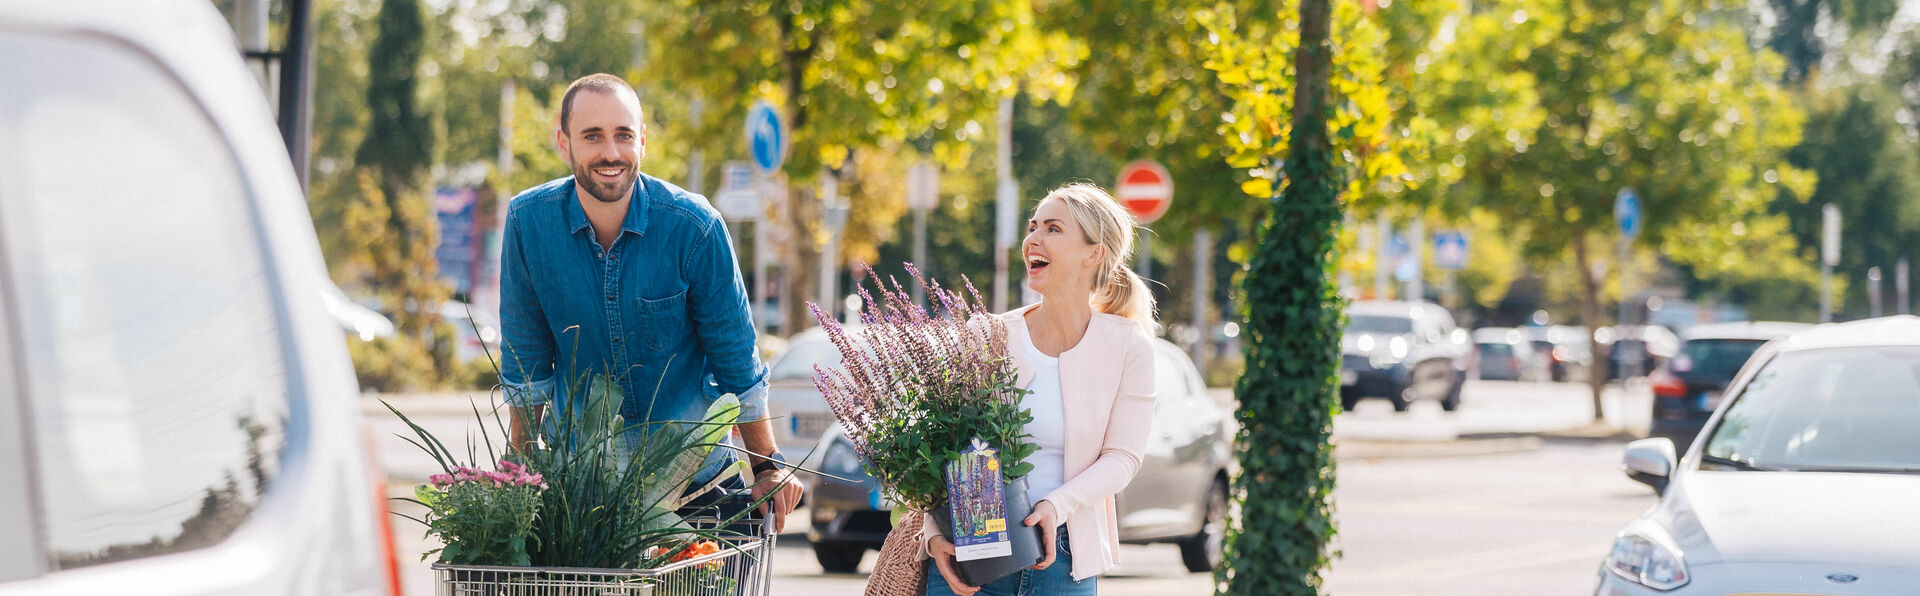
919	387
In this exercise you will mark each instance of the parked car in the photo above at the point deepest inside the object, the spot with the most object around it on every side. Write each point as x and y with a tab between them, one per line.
800	414
1179	496
1636	350
1402	351
1505	354
476	332
358	321
178	410
1802	482
1688	388
1568	351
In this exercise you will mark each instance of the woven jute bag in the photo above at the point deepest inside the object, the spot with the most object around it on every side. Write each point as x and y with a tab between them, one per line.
899	570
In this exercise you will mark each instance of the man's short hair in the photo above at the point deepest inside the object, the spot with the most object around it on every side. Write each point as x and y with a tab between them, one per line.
597	83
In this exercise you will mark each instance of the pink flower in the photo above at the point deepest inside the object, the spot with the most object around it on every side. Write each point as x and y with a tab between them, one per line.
440	480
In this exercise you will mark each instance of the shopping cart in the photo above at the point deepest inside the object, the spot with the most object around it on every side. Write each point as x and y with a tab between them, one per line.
742	567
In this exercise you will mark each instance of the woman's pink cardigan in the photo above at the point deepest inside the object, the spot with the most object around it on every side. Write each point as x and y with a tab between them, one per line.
1107	386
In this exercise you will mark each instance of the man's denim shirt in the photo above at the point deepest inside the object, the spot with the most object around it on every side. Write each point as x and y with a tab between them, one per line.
664	307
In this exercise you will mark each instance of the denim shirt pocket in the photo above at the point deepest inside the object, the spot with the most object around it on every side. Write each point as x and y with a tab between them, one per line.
663	320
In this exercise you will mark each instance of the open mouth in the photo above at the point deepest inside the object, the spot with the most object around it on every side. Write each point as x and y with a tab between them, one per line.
1035	263
609	173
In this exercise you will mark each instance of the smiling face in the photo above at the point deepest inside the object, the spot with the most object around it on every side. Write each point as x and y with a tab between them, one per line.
1058	256
603	140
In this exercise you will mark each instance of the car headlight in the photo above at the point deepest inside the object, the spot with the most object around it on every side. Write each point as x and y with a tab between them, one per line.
841	460
1646	562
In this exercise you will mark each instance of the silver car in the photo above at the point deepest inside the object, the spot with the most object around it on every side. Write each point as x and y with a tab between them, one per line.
1179	496
800	414
1803	482
177	411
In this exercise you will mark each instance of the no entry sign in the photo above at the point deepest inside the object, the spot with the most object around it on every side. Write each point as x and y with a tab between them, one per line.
1146	190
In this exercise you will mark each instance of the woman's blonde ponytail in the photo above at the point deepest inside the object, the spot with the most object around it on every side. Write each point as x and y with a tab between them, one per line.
1128	296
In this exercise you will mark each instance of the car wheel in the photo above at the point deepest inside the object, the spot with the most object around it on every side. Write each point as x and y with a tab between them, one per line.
838	558
1402	399
1201	552
1348	400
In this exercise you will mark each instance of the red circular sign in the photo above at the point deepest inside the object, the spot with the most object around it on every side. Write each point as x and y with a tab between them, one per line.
1146	189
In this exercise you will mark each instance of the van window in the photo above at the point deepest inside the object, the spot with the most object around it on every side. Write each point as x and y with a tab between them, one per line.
153	358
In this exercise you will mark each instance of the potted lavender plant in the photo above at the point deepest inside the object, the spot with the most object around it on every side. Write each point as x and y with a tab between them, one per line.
927	397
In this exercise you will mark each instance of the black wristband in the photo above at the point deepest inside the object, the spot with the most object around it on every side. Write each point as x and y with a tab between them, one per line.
767	463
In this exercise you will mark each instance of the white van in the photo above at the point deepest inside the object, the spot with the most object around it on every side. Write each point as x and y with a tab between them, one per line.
177	411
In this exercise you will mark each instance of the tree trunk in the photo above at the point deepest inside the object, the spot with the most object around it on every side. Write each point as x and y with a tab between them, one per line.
1601	366
1277	541
803	214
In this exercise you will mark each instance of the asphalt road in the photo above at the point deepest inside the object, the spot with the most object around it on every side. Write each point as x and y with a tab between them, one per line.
1492	499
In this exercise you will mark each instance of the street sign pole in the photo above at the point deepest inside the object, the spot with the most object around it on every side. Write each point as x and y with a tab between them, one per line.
1146	190
1873	292
1626	213
767	145
1202	292
923	191
1829	256
1005	207
1900	286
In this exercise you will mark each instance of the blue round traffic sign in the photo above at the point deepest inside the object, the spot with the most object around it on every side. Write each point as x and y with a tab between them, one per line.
766	138
1626	212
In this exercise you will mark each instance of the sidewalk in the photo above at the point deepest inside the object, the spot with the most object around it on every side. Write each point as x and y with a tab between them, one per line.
1494	417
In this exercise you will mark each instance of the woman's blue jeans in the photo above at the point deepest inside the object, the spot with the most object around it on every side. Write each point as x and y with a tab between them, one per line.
1055	580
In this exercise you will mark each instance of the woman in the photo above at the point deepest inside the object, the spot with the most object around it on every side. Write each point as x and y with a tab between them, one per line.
1086	354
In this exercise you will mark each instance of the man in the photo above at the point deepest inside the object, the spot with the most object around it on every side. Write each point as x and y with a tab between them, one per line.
611	271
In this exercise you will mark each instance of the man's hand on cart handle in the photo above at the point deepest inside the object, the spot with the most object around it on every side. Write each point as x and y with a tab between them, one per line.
787	497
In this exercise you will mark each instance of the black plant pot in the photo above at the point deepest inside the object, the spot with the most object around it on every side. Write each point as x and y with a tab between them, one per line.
1025	539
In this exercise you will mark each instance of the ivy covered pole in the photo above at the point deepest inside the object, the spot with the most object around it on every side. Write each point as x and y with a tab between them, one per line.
1287	396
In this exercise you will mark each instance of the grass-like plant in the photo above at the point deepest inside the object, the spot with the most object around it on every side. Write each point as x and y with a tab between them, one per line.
918	386
606	504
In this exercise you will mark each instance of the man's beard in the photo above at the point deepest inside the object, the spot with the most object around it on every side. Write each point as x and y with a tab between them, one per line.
605	192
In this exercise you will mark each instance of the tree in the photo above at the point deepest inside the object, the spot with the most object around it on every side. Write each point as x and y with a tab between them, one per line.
1656	95
1794	28
852	78
394	217
1311	146
1867	166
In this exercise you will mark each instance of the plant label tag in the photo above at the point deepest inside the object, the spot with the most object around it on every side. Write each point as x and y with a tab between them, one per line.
977	497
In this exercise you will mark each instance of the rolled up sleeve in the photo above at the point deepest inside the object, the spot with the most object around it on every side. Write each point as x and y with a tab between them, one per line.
723	321
526	346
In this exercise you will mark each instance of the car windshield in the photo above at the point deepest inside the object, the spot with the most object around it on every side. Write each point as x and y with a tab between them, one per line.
1843	409
1722	357
798	361
1379	325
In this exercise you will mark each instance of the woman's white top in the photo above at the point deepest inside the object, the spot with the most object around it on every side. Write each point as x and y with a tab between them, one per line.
1049	426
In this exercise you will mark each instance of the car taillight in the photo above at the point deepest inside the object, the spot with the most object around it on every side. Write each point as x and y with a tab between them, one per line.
1667	385
383	527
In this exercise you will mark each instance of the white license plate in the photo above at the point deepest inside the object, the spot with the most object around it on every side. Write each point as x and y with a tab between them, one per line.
1349	378
811	424
1710	400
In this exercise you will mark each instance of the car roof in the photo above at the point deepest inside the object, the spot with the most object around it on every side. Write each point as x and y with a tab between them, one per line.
1498	335
1750	330
1899	330
1411	310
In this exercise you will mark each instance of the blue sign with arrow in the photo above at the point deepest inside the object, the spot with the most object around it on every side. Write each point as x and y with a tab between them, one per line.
1626	212
1450	251
766	138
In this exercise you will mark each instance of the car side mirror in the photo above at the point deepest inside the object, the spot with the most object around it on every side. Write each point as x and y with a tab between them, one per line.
1650	462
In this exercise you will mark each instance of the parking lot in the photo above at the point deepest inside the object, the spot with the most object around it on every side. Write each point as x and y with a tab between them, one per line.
1505	496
